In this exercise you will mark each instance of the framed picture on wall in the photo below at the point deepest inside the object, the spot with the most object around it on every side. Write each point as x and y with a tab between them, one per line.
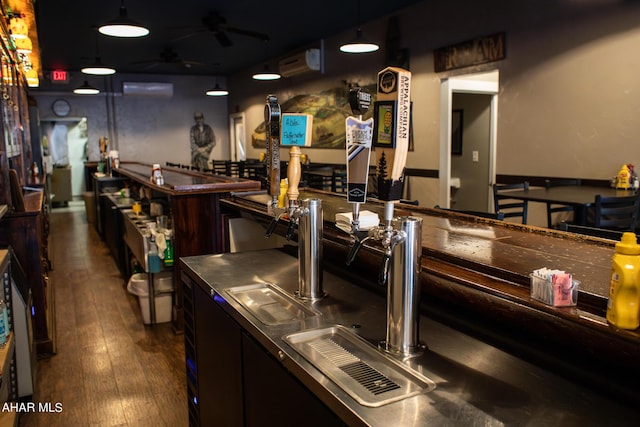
456	132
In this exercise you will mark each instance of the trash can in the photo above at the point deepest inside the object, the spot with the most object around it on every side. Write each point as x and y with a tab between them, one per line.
163	284
90	206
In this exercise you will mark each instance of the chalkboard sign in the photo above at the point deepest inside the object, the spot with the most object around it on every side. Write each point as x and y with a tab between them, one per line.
296	129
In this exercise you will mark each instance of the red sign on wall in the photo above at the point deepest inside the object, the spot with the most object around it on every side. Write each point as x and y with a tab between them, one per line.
60	76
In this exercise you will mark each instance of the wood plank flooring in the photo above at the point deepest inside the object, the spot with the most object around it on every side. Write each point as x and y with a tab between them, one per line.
110	369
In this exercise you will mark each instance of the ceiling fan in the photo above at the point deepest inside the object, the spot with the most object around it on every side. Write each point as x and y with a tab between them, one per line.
217	24
168	55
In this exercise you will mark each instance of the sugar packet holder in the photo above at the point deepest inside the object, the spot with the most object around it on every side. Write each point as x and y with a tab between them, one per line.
554	287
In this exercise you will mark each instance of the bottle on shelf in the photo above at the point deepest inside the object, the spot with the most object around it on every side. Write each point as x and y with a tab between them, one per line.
154	264
4	325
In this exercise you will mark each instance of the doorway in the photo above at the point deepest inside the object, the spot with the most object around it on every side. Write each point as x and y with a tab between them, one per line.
468	104
237	148
66	142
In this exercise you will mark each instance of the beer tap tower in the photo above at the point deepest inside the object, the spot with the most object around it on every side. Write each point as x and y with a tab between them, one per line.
296	132
401	237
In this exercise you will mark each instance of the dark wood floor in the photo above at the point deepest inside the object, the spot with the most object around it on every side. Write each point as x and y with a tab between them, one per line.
110	369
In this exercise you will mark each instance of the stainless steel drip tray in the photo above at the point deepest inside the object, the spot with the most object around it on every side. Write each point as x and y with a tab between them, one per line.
365	373
270	304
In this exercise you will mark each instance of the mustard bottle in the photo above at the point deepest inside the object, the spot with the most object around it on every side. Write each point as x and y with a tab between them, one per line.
624	178
284	186
623	307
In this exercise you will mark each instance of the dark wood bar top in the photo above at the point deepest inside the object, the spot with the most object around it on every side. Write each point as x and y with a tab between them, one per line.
475	274
181	181
505	250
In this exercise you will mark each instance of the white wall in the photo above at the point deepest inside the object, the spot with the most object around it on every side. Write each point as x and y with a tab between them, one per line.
145	129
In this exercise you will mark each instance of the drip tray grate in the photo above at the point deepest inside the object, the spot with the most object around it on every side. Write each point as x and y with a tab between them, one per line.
369	376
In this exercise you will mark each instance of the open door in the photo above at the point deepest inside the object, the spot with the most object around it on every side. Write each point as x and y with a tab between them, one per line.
486	85
237	148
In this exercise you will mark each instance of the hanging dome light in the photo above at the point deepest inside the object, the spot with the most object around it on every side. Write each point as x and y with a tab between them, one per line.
217	91
86	89
122	26
266	74
359	45
98	68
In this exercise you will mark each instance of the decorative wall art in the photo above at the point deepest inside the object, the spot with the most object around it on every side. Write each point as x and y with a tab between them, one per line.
329	110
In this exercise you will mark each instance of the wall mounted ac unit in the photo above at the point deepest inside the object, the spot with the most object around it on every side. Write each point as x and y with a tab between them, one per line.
147	89
302	62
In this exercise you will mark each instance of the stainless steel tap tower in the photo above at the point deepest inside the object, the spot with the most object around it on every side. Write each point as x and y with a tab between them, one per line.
403	289
306	215
310	223
401	237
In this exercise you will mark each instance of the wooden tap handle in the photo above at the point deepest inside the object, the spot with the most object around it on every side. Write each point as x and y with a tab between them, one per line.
294	171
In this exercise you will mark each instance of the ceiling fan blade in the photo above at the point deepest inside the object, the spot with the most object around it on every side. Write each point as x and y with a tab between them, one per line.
254	34
188	35
223	39
144	61
190	64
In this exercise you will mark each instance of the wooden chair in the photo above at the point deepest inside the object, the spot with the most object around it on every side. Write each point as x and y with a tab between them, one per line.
511	208
233	169
591	231
615	213
219	167
551	208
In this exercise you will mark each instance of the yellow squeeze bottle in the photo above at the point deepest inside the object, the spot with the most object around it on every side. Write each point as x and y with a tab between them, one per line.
623	307
624	179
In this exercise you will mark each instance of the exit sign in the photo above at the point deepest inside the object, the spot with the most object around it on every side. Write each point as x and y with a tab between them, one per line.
60	76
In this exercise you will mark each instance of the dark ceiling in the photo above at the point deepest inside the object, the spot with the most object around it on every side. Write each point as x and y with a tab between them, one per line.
67	35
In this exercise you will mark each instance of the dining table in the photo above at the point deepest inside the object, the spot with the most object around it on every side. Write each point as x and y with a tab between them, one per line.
580	197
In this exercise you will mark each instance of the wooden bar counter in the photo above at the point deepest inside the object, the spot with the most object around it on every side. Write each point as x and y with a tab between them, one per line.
194	202
475	277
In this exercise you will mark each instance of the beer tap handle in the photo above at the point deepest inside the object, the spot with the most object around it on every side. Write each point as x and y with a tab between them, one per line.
272	226
292	224
357	245
272	117
294	171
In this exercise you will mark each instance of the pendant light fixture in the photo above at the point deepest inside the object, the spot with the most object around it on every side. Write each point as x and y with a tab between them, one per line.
266	73
359	44
86	89
98	68
122	26
217	90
